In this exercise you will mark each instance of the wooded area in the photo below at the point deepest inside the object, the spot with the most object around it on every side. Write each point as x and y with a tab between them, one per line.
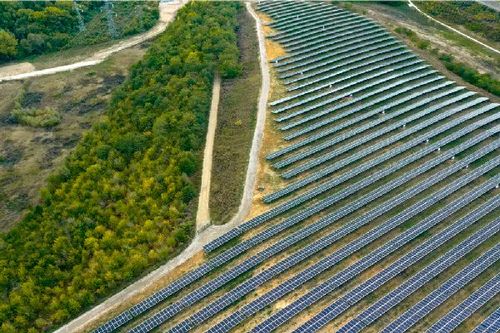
121	203
36	27
469	14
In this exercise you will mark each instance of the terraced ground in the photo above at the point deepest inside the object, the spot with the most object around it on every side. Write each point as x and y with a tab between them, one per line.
389	219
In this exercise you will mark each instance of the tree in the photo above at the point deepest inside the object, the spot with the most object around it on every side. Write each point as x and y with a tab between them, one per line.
8	44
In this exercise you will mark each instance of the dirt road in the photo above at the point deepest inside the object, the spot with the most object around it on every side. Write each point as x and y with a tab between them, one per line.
410	3
92	316
24	71
203	213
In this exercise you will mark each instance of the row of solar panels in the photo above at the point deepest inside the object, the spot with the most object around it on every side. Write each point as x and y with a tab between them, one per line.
261	303
357	85
438	296
378	133
490	324
470	305
333	64
419	92
402	77
387	102
316	191
395	52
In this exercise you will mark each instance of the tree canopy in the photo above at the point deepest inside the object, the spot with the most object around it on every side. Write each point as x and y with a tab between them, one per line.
123	200
36	27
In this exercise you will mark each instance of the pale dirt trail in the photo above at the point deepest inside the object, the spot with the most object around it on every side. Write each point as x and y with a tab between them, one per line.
91	317
410	3
203	213
26	70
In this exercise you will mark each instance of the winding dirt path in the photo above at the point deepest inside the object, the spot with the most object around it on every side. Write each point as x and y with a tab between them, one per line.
203	213
23	71
411	4
141	286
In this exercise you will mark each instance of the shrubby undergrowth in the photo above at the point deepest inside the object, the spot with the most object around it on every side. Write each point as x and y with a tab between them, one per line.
121	204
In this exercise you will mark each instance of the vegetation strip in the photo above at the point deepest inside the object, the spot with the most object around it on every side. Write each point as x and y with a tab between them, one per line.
123	201
235	126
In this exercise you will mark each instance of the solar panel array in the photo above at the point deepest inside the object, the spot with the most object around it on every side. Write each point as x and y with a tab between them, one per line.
367	126
470	305
446	290
385	304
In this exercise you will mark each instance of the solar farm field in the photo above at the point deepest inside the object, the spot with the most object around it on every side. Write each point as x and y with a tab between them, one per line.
389	219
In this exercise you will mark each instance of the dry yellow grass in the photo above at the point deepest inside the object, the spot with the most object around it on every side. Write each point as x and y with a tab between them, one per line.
274	50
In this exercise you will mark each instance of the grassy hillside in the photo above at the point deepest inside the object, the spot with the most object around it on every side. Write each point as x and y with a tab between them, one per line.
29	28
122	202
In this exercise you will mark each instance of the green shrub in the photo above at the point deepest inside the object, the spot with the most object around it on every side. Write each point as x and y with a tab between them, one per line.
468	74
484	81
46	117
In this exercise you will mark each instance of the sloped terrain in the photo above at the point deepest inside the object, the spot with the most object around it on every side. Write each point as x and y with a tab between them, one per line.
389	216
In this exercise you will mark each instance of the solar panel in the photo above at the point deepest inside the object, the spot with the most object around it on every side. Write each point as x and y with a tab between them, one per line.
317	80
354	62
389	101
312	26
438	296
400	74
351	26
401	77
280	209
360	84
294	31
358	142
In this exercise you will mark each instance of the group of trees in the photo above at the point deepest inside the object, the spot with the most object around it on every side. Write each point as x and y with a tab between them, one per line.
470	14
468	74
36	27
123	200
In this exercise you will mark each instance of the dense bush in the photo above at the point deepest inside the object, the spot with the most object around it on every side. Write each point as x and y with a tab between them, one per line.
37	27
46	117
122	201
485	81
470	14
